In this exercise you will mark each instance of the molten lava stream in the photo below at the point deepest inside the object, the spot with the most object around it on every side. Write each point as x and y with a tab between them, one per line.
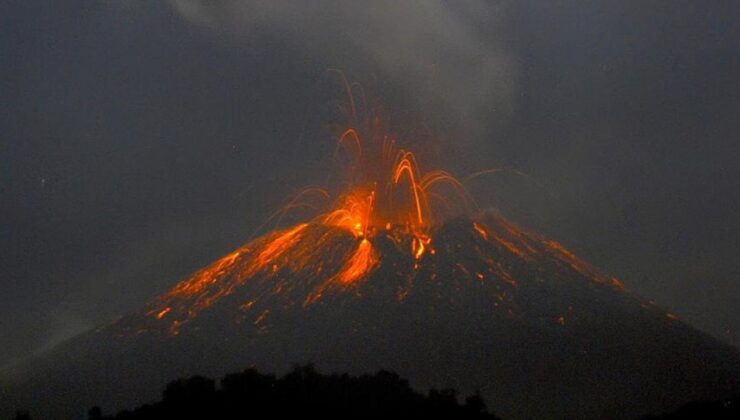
360	264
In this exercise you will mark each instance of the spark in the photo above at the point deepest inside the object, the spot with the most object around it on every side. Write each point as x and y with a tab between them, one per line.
161	314
481	230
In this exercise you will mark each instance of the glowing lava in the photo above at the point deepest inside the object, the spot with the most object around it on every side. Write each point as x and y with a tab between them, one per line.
361	262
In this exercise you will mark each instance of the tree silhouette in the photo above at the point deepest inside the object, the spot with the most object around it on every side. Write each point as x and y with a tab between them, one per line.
22	415
302	393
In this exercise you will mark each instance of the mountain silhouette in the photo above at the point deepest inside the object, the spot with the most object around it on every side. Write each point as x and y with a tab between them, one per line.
485	306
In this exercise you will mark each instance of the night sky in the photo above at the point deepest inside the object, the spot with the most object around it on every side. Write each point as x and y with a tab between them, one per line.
140	140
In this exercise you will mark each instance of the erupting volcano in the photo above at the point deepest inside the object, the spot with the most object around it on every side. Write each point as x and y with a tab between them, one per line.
398	269
384	197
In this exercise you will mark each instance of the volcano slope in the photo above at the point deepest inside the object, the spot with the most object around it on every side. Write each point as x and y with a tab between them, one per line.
486	306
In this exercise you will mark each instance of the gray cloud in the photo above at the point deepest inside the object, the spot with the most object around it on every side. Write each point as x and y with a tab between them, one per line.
435	49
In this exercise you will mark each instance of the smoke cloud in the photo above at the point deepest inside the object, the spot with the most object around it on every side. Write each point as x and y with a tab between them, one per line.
442	54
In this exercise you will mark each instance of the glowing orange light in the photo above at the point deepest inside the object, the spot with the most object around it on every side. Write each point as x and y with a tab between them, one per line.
163	312
279	245
206	276
353	214
361	262
481	230
511	247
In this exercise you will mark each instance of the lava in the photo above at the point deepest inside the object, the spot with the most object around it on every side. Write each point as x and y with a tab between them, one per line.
354	213
481	230
278	246
361	262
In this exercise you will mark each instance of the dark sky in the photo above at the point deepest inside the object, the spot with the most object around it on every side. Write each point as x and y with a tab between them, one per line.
139	140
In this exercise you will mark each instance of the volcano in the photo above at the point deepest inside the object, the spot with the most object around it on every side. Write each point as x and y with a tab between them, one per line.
491	308
399	271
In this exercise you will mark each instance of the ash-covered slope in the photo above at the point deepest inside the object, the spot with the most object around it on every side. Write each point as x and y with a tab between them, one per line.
484	306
